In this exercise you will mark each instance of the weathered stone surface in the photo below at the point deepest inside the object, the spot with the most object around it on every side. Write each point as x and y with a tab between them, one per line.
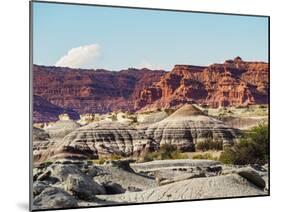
128	180
61	128
73	180
54	198
48	138
44	176
100	139
152	117
198	188
38	187
187	164
113	188
83	187
163	180
40	142
188	126
183	128
252	175
85	184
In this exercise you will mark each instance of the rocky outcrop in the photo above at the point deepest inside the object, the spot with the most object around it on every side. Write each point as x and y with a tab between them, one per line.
184	128
188	126
40	142
67	183
61	128
228	84
54	198
44	139
44	111
75	91
183	164
196	188
87	91
103	138
152	117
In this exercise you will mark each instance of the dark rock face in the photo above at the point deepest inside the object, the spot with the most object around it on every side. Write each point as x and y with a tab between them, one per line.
75	91
54	198
44	111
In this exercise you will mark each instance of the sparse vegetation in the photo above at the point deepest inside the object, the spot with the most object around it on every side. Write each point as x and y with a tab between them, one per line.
209	144
102	160
166	151
169	111
206	156
252	148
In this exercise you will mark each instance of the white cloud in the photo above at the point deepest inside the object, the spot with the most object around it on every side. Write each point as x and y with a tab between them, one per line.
80	57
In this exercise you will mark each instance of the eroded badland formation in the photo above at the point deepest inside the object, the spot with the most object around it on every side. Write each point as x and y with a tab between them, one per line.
98	134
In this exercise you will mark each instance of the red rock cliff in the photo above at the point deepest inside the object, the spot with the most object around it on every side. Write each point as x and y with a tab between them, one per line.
232	83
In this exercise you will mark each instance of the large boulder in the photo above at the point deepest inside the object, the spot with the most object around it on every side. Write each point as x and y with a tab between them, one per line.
83	187
252	175
75	181
38	187
113	188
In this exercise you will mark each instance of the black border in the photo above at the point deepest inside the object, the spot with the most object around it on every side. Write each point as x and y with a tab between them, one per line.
126	7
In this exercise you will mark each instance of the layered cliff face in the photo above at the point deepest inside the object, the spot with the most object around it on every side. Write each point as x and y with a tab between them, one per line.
233	83
77	91
187	127
88	91
44	111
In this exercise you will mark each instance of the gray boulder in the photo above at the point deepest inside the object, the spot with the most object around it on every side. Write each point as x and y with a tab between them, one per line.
54	198
252	175
75	181
38	187
83	187
113	188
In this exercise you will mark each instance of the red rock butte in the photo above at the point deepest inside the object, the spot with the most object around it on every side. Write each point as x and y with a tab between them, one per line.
79	91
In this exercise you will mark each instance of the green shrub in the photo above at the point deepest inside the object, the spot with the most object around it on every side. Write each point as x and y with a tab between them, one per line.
169	111
102	160
206	156
251	149
114	157
166	151
150	156
209	144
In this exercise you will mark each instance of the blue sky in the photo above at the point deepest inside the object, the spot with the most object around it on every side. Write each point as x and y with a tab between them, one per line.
118	38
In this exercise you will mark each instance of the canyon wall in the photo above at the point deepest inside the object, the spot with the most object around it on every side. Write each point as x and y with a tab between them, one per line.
79	91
